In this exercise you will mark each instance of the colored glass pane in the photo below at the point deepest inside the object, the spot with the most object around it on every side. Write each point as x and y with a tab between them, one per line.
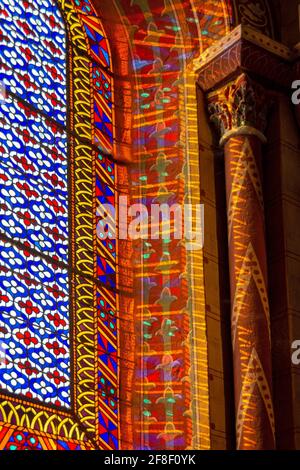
34	280
46	181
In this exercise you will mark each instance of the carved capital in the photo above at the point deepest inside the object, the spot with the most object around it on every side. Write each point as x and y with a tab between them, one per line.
245	49
240	107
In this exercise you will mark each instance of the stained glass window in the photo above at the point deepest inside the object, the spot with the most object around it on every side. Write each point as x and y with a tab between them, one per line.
34	224
57	279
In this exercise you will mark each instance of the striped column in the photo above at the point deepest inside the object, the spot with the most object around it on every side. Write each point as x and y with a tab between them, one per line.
240	111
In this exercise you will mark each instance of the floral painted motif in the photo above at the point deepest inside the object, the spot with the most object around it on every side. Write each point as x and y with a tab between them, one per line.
54	63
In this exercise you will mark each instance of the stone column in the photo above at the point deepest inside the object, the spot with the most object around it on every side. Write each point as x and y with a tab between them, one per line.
240	111
297	78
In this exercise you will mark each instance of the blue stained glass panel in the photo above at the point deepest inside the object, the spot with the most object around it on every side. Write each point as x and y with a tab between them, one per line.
34	237
32	55
35	333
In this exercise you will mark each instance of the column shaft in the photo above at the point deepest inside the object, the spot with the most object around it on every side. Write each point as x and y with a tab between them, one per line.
250	318
240	111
